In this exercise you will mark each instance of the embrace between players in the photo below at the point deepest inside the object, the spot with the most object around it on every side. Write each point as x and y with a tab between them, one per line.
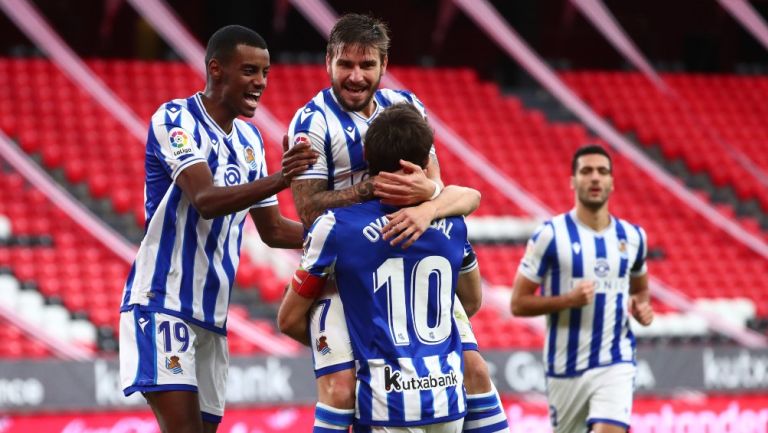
387	278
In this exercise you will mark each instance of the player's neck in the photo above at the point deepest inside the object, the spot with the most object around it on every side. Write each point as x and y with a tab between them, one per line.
218	113
596	219
368	111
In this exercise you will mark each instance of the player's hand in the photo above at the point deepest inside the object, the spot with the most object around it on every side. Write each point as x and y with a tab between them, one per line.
408	224
641	311
406	189
296	159
583	294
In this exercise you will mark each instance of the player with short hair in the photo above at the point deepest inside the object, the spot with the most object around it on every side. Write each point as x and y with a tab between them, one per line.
592	271
335	122
406	345
205	170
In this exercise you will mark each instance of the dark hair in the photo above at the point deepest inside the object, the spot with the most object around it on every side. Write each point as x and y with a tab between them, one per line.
398	132
222	44
357	29
590	149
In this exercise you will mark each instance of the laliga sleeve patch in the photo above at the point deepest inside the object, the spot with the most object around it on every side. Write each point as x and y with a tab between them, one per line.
180	141
300	138
307	285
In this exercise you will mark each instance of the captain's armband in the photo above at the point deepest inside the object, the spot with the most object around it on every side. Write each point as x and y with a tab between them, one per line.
307	285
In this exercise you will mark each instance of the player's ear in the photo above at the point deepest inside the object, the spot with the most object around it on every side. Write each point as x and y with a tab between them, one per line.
328	60
573	182
384	63
214	69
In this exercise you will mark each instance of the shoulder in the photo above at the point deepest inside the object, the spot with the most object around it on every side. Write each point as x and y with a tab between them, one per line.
174	112
249	130
310	112
391	96
633	231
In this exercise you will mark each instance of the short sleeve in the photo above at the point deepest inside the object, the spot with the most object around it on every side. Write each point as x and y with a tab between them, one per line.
319	254
540	254
175	147
469	263
639	266
308	126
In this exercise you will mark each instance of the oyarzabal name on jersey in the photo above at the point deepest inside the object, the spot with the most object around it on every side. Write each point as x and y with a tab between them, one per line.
394	382
372	231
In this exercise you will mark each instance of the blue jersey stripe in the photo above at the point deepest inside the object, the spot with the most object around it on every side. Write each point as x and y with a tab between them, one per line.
621	235
226	260
364	395
597	330
549	260
188	250
640	257
129	284
211	287
574	319
574	327
577	262
427	400
165	248
554	318
617	328
382	100
354	142
395	400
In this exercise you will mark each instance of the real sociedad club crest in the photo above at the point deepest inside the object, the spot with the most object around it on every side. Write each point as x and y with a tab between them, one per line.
173	364
321	344
250	157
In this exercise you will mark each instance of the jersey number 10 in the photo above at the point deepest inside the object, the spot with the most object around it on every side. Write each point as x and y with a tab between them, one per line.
390	276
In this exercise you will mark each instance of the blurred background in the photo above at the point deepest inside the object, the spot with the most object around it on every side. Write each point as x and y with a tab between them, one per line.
677	90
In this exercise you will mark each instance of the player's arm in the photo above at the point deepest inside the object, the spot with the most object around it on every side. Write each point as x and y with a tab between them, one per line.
408	224
210	201
469	291
299	296
312	197
640	300
526	303
275	230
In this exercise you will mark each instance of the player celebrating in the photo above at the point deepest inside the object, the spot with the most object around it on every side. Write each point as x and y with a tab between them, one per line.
205	172
591	267
400	301
335	122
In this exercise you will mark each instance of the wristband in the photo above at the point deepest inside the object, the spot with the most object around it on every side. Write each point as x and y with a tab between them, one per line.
437	190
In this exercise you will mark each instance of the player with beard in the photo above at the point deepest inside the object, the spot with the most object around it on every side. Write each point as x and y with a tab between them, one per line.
592	272
334	122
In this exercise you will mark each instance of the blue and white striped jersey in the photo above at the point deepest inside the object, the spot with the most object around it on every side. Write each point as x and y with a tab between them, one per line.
337	135
399	312
561	253
186	264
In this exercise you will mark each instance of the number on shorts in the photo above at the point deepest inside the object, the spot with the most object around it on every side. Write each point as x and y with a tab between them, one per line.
391	277
325	304
180	335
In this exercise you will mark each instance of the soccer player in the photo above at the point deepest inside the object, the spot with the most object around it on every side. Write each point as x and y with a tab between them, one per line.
335	122
399	301
592	271
205	172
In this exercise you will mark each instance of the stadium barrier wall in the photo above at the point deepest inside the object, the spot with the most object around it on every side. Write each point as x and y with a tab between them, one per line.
55	385
709	415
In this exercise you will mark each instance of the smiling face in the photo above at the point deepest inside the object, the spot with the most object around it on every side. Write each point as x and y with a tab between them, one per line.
355	73
592	181
241	80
